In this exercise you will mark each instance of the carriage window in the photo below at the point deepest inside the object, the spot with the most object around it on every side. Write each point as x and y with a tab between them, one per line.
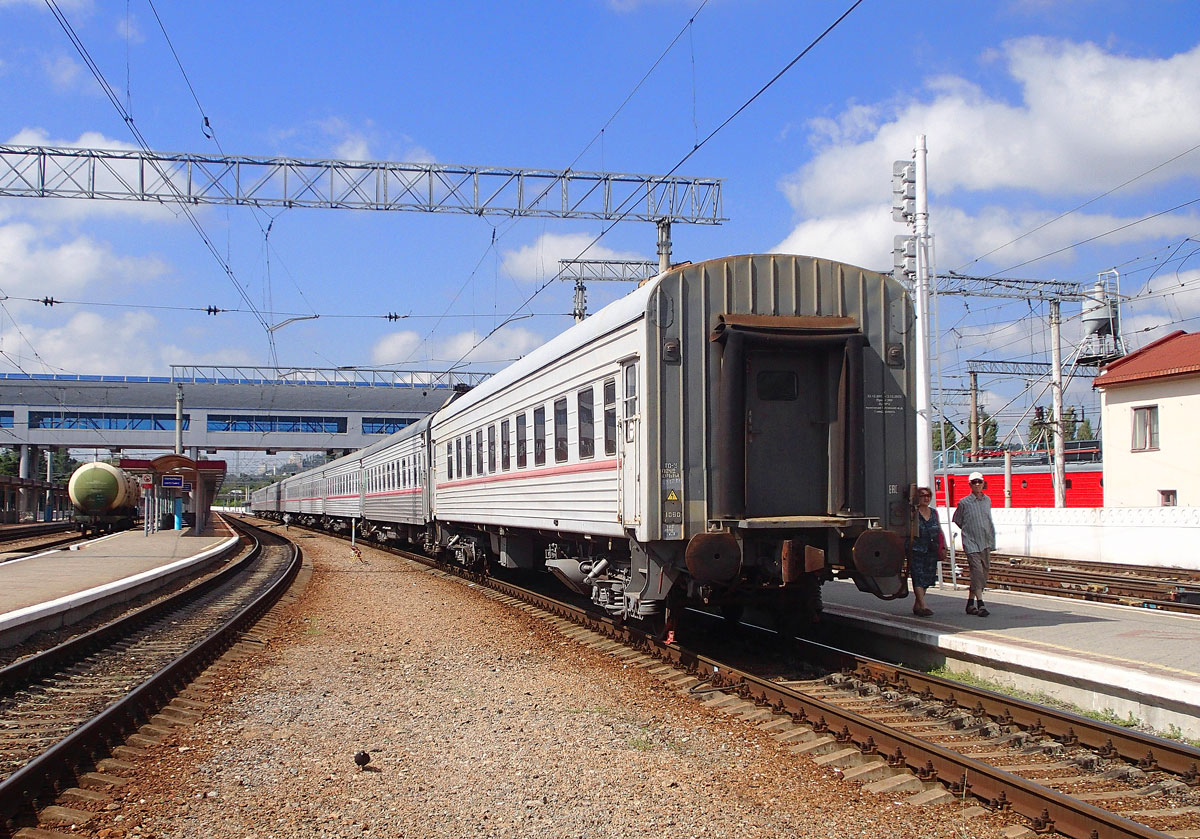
504	429
458	457
610	417
631	400
470	460
587	426
491	449
778	386
522	445
539	436
560	430
479	451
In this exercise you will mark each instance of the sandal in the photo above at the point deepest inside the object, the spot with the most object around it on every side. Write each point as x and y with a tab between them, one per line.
923	613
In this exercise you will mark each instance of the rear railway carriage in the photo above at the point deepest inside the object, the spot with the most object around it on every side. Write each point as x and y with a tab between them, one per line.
732	431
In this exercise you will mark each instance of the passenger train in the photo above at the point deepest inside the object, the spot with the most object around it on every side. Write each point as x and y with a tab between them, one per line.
733	432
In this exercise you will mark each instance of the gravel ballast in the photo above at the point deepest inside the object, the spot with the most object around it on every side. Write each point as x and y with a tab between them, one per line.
480	720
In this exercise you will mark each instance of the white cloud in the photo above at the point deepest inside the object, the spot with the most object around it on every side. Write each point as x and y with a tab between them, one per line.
131	343
540	260
401	348
72	209
508	343
1086	120
33	265
29	136
395	348
338	139
127	27
63	71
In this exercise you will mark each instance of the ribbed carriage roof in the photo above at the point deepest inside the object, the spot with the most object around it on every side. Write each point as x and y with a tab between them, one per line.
613	316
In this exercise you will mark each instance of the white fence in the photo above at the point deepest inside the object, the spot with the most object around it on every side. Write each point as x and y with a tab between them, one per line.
1164	536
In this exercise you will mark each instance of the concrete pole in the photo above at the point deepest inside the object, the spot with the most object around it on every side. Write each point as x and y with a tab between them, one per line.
1007	478
923	395
49	490
178	418
1060	466
23	472
974	416
198	503
664	245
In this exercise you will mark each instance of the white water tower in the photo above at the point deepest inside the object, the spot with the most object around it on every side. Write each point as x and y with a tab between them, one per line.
1102	322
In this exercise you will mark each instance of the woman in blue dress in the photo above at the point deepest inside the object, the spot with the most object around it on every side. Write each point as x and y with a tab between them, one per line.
926	551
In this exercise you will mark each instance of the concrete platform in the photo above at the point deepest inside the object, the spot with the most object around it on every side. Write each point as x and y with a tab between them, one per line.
58	587
1122	659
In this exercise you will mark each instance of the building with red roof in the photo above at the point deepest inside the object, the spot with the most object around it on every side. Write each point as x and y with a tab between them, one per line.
1150	409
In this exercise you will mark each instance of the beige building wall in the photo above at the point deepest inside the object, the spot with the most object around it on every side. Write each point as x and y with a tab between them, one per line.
1137	478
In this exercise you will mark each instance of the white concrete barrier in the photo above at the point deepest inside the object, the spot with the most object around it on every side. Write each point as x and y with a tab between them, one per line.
1164	536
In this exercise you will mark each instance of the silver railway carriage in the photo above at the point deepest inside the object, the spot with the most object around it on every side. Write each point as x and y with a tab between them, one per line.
733	431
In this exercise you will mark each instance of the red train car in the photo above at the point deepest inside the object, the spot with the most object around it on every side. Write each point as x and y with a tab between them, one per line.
1032	485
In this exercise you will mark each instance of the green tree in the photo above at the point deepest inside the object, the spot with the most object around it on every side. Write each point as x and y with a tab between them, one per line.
63	464
1069	423
1084	431
989	430
951	435
1039	426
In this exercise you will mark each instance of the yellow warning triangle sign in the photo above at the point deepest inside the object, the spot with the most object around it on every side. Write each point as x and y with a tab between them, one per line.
671	496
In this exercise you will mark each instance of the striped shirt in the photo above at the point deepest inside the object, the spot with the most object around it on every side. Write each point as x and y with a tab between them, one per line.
974	517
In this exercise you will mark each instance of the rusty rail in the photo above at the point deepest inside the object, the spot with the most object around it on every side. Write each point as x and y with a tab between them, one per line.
40	780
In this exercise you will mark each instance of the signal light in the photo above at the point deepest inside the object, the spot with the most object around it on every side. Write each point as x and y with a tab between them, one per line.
904	191
904	257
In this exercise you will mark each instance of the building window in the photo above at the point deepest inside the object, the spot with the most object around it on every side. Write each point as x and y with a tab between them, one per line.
103	421
1145	428
539	436
384	425
1167	498
522	441
587	425
560	430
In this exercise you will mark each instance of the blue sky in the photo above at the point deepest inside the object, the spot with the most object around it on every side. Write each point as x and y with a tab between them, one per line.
1030	108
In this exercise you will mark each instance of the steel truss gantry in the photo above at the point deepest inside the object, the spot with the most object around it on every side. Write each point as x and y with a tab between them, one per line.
135	175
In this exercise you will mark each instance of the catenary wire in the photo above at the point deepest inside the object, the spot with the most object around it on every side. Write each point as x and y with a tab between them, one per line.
624	211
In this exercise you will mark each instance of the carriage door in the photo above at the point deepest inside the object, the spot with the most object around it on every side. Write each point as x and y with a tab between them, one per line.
787	433
630	487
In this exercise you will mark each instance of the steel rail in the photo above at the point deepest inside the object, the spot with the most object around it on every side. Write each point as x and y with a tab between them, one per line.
1108	740
46	775
1127	593
1047	809
25	531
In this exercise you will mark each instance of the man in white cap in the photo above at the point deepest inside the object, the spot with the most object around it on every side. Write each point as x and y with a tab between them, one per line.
973	515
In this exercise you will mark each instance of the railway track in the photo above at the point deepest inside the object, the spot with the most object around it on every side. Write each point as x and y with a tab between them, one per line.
18	532
907	732
1144	586
63	710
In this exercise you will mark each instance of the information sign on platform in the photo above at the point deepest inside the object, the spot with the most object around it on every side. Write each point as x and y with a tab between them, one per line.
172	480
187	486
